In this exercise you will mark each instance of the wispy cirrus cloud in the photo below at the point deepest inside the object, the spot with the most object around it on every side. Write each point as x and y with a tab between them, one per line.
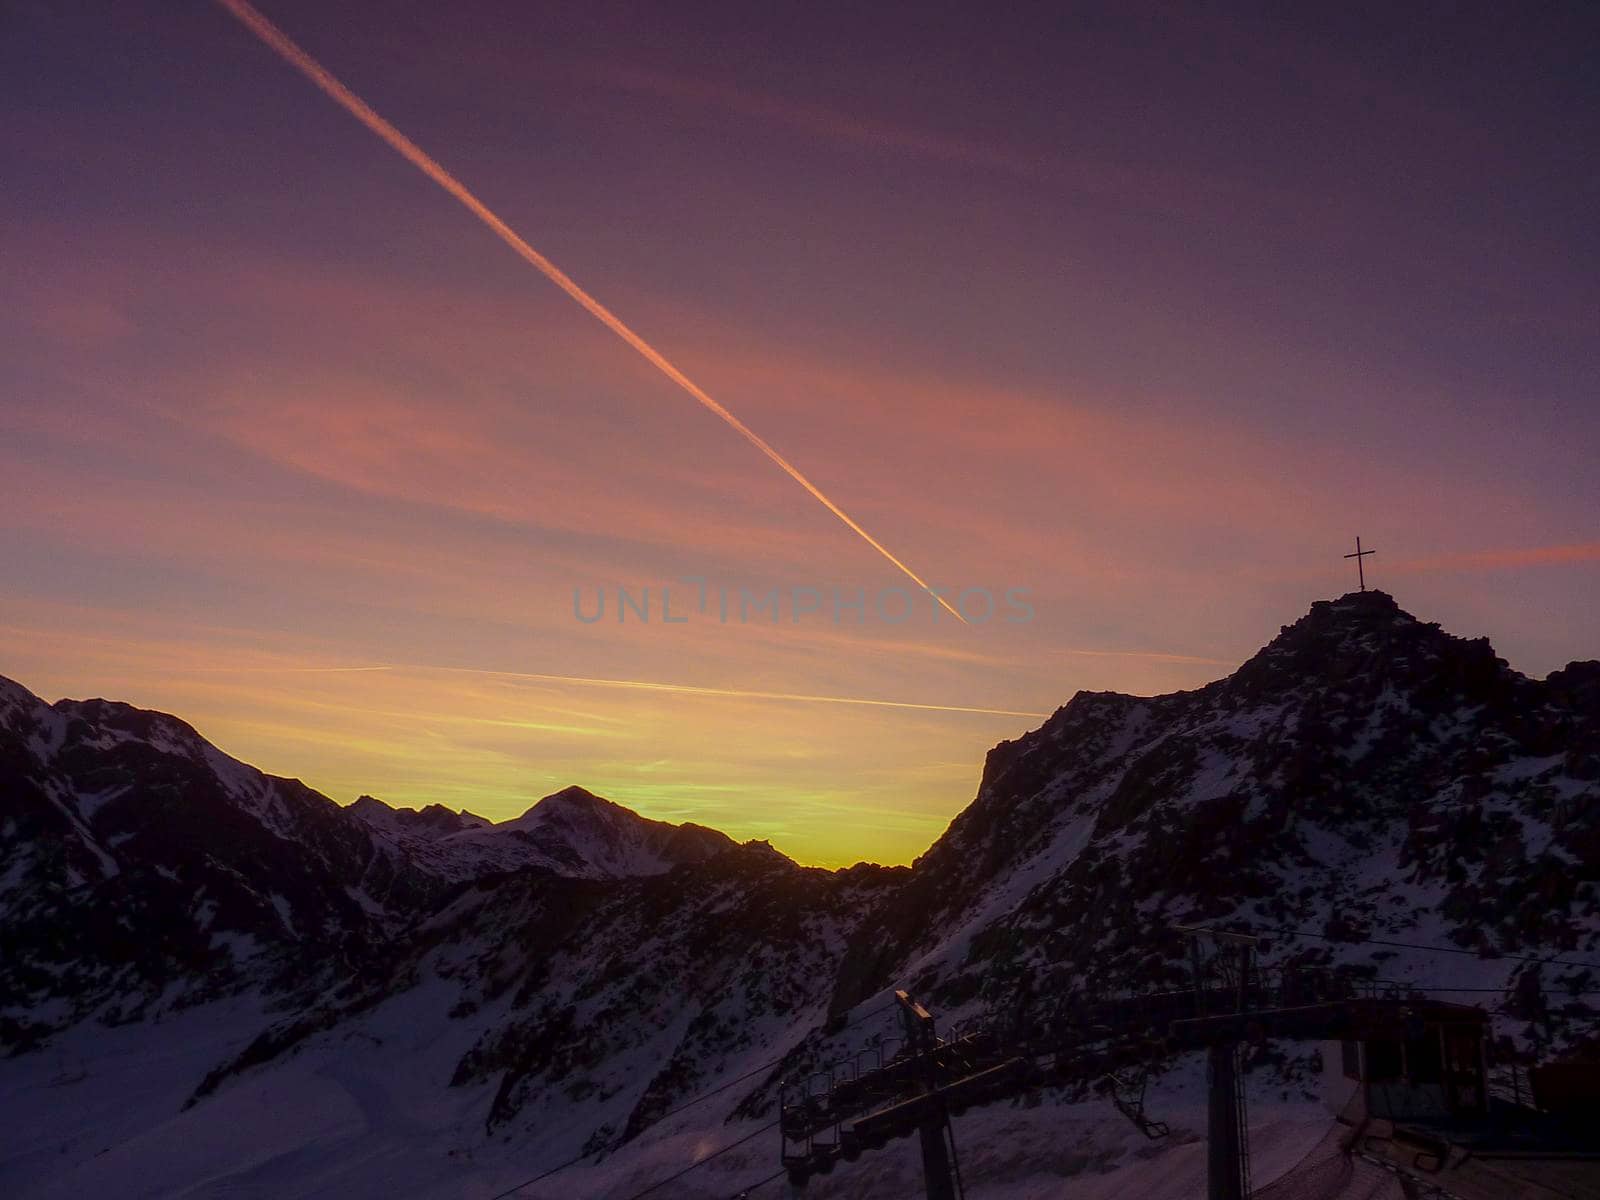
1147	186
276	40
834	124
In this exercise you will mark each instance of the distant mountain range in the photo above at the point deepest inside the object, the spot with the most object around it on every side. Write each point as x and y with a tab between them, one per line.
145	867
573	832
563	981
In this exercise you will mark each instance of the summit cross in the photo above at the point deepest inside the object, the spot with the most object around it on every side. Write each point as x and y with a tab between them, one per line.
1361	575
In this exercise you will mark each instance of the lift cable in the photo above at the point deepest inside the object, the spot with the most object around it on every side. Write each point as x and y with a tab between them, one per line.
1428	987
1532	958
700	1162
745	1191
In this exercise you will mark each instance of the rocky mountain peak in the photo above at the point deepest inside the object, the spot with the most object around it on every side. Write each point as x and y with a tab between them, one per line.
573	799
1364	641
432	820
1363	763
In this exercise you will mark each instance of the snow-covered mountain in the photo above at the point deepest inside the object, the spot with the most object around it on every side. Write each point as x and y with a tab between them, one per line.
457	1000
142	869
572	832
1365	775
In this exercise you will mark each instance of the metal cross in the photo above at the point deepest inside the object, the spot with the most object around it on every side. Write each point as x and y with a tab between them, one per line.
1358	556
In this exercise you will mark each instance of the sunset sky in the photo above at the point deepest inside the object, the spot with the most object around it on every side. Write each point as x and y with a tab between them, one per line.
1145	310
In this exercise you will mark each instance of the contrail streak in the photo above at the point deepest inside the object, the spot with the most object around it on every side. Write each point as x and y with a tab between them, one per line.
645	685
692	689
289	670
279	42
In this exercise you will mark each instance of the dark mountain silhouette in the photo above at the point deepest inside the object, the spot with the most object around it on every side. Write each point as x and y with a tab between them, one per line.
144	866
1364	778
1365	774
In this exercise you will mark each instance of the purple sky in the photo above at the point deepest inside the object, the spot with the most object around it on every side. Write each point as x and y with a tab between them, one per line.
1144	309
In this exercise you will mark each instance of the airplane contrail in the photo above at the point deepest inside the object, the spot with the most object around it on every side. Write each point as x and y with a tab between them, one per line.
696	690
643	685
286	49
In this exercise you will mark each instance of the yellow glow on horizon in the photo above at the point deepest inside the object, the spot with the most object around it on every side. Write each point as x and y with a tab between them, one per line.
792	769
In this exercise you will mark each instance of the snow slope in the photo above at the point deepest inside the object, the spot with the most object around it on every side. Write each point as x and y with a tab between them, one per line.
309	1001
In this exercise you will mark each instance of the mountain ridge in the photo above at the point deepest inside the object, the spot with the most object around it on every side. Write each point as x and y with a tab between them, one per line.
1367	782
1329	709
143	866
